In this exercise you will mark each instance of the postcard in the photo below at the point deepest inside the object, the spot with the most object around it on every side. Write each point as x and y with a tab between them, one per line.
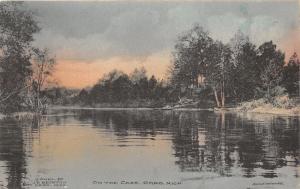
149	94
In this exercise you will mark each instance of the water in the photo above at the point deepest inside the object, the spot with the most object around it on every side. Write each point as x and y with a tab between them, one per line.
150	149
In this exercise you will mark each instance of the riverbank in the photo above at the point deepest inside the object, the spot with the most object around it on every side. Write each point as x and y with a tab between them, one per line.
279	106
267	109
259	110
124	108
142	103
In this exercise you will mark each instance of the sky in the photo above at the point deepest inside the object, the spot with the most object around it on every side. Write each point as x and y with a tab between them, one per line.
92	38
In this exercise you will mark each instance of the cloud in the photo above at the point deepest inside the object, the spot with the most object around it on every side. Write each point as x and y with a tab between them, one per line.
96	37
88	31
228	24
136	33
90	47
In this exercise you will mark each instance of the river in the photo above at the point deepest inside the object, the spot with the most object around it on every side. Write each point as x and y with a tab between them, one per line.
81	149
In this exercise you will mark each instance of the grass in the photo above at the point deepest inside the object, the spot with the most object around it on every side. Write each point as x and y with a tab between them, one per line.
282	105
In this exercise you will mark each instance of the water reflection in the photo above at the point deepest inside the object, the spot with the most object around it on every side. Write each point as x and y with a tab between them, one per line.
226	145
220	143
12	152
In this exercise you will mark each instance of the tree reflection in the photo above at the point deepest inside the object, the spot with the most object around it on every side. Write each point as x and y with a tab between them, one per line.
16	138
232	142
214	142
12	152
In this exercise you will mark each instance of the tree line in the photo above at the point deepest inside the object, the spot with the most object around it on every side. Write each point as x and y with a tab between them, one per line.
206	69
234	72
117	86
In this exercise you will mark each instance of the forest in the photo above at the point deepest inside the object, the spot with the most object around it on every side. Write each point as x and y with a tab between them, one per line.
206	70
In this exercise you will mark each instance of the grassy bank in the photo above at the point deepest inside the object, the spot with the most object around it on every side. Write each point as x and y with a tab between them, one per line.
280	105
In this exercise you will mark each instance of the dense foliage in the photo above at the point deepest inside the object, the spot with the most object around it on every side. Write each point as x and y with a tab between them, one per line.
23	68
234	72
117	86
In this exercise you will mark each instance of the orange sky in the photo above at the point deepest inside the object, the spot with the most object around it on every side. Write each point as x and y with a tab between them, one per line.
78	74
291	43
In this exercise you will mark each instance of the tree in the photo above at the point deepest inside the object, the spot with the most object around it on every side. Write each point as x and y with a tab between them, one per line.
245	73
121	88
143	88
112	87
291	75
140	83
138	74
237	44
42	68
190	58
17	27
83	96
152	86
218	72
198	59
271	63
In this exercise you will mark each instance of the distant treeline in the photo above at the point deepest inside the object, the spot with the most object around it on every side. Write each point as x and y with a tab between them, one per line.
117	86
